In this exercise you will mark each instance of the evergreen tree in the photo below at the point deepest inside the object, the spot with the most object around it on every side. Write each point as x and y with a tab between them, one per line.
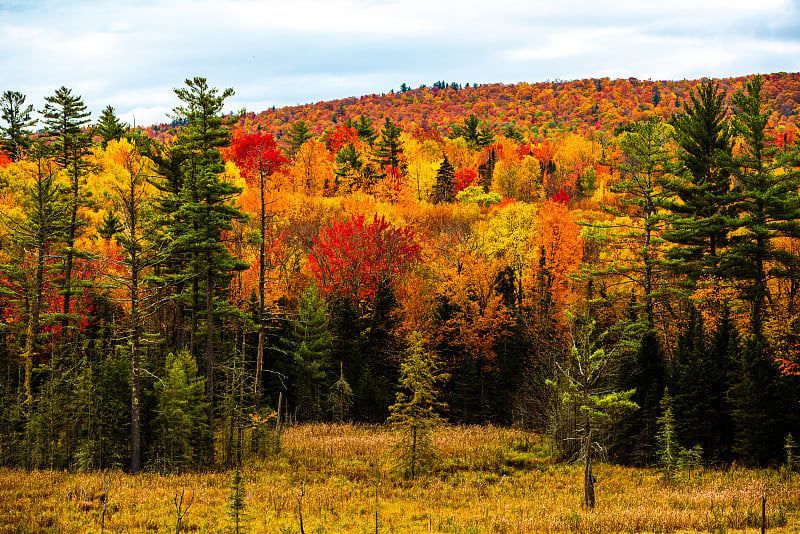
109	126
65	116
475	136
698	220
583	385
701	381
348	170
389	150
206	213
15	137
766	206
298	134
365	131
44	224
415	411
180	424
645	165
444	190
312	342
140	253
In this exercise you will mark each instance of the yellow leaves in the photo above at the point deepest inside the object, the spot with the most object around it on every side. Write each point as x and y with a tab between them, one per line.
518	179
311	170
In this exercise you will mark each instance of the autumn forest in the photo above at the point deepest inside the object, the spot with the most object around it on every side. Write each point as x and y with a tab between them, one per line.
612	264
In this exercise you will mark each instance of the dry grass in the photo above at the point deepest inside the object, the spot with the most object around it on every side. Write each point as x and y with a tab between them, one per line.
491	480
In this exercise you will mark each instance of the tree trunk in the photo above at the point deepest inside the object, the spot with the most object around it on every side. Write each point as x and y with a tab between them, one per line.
588	482
210	353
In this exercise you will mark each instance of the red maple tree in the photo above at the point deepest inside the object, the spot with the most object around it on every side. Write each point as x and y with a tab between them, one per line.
354	259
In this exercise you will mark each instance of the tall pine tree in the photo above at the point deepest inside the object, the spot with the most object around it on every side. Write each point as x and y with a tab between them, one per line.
206	213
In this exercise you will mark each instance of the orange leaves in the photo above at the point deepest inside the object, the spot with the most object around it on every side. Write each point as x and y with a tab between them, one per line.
559	247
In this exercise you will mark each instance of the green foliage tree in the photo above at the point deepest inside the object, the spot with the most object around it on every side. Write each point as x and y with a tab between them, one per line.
206	212
365	130
298	134
109	127
15	137
699	215
444	190
43	225
471	131
584	383
766	206
179	426
65	116
237	501
414	412
312	342
349	169
389	148
667	439
702	372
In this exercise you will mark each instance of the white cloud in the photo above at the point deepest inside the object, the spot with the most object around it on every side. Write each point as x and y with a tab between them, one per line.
131	53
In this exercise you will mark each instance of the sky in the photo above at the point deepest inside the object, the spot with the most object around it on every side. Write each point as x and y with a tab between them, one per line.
132	54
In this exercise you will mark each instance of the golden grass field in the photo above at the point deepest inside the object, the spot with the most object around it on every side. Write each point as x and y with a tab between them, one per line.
490	480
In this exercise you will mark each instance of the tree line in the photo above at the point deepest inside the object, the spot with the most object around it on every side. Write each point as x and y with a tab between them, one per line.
166	304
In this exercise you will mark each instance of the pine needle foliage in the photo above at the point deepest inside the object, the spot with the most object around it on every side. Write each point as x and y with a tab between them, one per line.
414	413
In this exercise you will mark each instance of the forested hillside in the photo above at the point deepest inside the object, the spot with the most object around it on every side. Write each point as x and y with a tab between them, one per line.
578	258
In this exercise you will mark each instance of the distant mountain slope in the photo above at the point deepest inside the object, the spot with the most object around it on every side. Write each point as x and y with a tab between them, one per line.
540	110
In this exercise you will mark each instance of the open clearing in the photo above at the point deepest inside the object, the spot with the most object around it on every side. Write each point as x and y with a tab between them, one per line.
488	480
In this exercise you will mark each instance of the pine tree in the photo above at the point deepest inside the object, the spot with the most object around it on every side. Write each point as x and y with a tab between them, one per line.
766	206
46	220
65	116
140	253
698	220
365	131
415	411
583	387
298	134
206	212
15	137
389	149
475	136
109	126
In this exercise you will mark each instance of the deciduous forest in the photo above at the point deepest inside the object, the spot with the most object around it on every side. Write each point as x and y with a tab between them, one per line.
612	264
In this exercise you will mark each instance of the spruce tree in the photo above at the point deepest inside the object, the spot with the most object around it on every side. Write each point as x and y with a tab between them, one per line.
15	136
312	345
444	190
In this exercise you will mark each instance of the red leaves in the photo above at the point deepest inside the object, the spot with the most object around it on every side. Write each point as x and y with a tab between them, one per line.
256	154
340	137
561	197
463	179
354	259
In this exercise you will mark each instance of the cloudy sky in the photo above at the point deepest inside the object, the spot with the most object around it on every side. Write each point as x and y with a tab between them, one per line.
131	54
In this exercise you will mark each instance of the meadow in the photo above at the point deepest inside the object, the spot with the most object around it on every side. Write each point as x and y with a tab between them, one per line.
344	479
